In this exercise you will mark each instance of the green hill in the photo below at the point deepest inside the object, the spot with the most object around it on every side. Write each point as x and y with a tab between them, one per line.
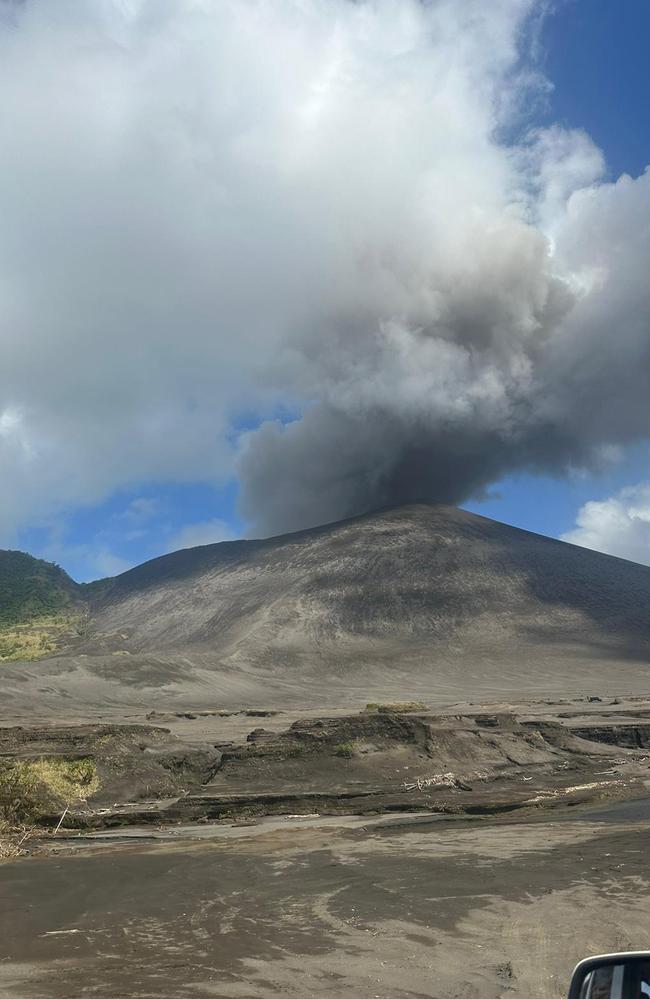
40	606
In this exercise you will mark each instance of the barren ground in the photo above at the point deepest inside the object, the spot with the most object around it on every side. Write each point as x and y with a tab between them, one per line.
262	902
399	907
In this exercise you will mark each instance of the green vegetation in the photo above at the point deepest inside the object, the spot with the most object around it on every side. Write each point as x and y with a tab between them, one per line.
40	606
31	789
31	588
344	749
398	707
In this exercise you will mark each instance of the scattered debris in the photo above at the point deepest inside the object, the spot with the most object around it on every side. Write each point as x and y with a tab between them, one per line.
59	933
558	792
437	780
60	822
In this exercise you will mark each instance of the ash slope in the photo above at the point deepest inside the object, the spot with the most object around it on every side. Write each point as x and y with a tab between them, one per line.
416	601
419	576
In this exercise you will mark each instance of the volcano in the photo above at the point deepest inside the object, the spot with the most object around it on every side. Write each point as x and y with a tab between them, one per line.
418	600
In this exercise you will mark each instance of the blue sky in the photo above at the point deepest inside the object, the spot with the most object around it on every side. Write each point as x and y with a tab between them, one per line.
593	52
135	525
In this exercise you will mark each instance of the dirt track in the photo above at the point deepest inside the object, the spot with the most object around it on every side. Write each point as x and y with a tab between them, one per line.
436	909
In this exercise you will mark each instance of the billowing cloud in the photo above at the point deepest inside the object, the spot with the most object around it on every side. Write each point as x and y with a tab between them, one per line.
213	210
619	525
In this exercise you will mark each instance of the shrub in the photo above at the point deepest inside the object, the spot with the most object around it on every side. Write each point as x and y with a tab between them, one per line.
398	707
344	749
22	798
30	789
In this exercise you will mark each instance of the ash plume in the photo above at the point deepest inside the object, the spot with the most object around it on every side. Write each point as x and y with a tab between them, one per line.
338	210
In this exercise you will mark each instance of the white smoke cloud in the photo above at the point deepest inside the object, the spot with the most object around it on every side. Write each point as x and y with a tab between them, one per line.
619	525
220	208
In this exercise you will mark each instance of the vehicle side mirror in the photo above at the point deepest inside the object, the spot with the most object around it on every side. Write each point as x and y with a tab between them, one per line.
612	976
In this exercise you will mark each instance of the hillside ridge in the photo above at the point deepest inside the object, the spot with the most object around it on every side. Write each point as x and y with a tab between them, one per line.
31	587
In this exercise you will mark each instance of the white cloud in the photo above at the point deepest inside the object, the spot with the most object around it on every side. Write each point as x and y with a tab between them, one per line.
211	209
619	525
207	532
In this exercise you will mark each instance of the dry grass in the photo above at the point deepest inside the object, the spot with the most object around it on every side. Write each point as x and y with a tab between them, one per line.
68	780
39	637
13	842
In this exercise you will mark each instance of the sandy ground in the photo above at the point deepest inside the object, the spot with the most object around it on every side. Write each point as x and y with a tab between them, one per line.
340	908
